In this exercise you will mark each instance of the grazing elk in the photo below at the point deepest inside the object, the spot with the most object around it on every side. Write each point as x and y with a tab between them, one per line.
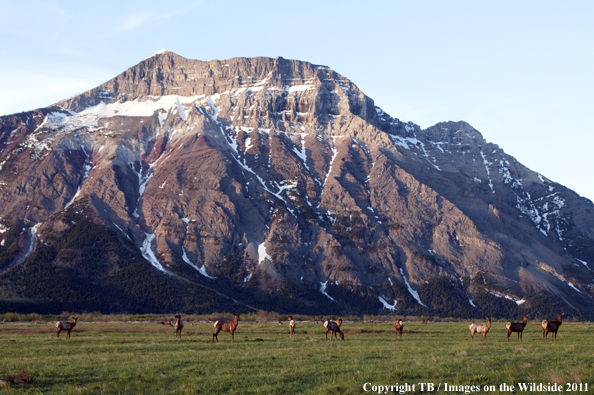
398	326
333	327
179	325
225	326
65	326
291	327
551	326
339	323
516	327
474	328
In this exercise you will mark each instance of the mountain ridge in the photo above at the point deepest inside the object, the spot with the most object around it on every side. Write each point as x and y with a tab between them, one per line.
265	173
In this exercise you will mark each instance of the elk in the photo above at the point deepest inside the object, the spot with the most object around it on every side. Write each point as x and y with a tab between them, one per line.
225	326
291	327
551	326
166	323
65	326
333	327
474	328
398	326
516	327
179	325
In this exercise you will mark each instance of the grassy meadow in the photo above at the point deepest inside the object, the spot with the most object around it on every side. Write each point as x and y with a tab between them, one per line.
133	358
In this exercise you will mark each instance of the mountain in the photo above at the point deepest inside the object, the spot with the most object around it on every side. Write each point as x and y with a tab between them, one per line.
275	184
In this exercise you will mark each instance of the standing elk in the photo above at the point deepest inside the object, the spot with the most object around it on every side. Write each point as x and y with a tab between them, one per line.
179	325
398	326
484	329
516	327
225	326
65	326
551	326
291	327
333	327
338	323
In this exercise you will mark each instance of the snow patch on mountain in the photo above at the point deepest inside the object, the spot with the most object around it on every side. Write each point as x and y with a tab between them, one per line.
215	110
516	301
487	164
584	263
323	290
201	270
148	253
87	168
162	118
157	53
414	293
414	143
543	211
387	305
137	108
262	255
301	153
334	155
471	301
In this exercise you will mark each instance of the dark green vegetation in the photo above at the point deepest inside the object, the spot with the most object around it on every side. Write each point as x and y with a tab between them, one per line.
88	268
145	358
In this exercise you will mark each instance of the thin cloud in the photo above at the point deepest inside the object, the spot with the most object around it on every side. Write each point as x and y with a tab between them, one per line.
139	20
136	21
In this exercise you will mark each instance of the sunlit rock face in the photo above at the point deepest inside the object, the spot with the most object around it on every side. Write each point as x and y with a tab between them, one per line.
265	172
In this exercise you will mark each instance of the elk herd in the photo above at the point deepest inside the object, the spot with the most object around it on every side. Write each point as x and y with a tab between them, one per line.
334	328
547	326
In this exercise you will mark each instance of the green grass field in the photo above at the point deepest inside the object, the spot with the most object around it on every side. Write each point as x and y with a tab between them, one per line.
134	358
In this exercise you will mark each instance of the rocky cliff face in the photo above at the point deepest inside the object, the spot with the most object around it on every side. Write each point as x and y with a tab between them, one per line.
276	177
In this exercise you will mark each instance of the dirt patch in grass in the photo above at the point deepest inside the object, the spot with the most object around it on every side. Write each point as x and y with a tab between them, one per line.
24	330
82	328
19	378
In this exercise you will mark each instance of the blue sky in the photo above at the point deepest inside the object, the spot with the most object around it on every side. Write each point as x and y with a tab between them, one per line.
519	72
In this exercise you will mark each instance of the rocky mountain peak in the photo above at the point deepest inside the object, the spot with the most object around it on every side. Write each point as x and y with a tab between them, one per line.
167	74
264	175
